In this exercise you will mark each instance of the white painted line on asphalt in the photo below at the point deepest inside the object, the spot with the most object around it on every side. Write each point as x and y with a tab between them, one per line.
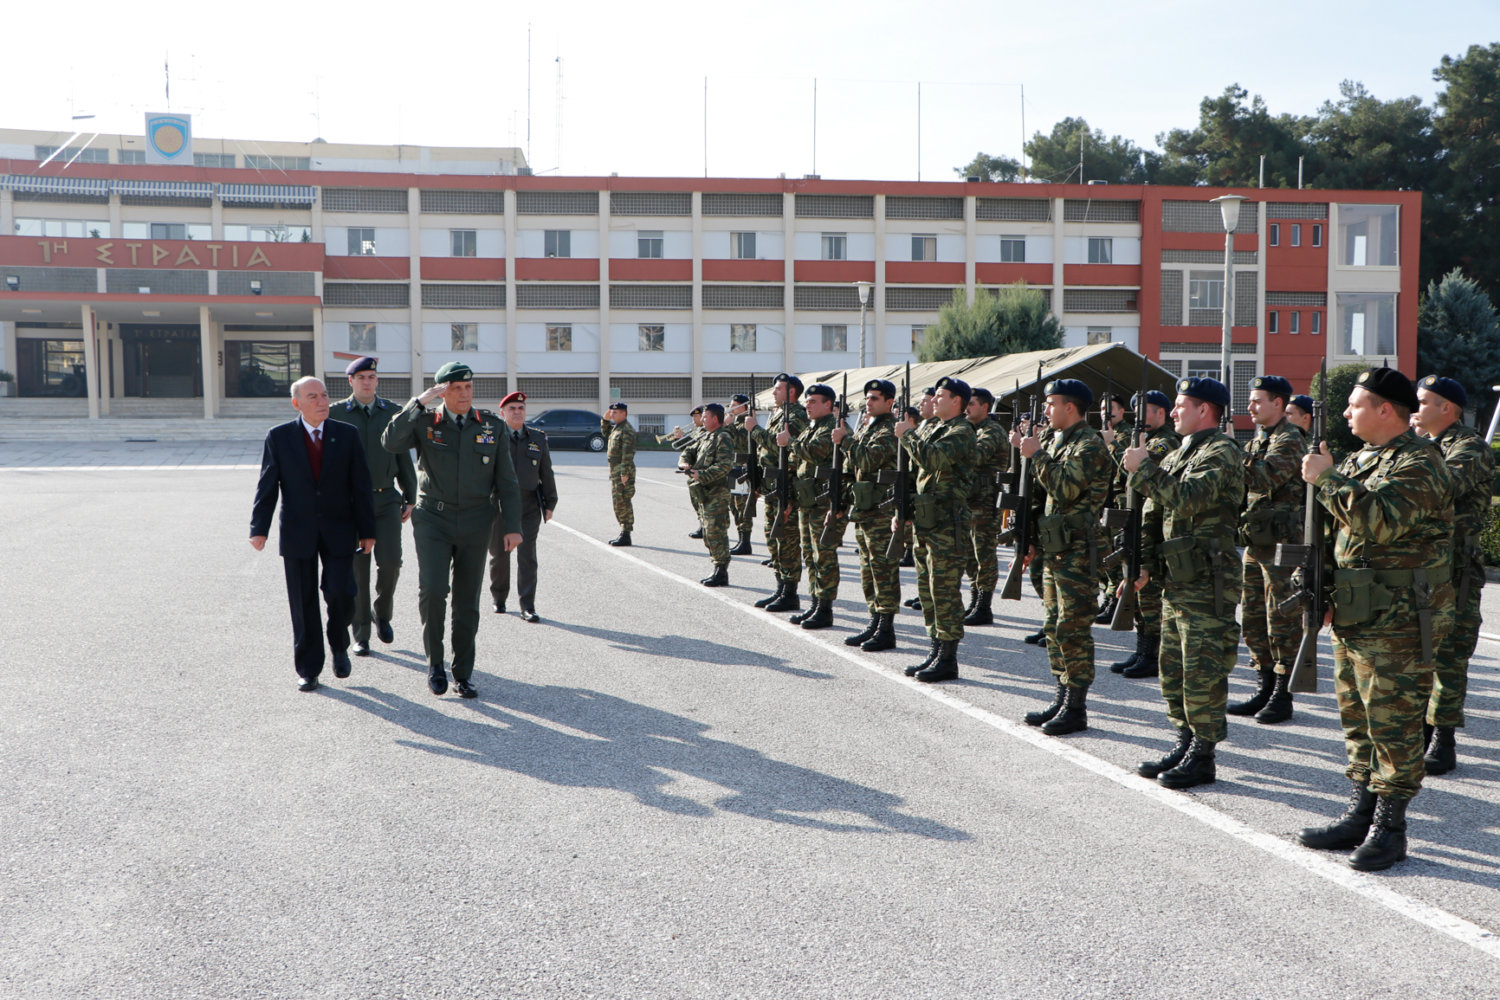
1490	636
128	468
1330	867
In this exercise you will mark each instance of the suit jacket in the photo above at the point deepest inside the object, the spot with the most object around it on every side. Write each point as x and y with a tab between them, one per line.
337	509
533	461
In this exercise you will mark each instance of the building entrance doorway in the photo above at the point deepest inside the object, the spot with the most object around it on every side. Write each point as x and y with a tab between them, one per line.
162	362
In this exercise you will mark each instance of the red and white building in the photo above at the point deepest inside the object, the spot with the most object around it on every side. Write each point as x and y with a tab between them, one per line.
127	288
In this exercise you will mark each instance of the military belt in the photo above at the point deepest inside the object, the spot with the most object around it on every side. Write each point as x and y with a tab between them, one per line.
1436	576
447	505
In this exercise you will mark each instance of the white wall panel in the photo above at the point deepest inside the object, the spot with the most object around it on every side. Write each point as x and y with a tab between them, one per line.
717	357
392	345
533	243
532	354
1125	249
857	246
624	340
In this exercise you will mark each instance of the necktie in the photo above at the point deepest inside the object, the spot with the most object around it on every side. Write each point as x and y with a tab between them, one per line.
460	421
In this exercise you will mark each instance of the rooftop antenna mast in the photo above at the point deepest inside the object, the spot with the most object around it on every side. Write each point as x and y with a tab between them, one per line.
557	159
528	94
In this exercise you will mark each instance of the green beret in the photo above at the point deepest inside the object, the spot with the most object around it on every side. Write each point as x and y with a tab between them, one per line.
454	371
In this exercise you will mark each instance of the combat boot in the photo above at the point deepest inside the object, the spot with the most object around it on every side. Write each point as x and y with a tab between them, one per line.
912	602
1107	613
917	668
1042	715
622	539
1442	751
1133	658
982	611
1279	708
1346	832
1148	664
1155	768
788	601
1074	715
1036	639
1257	701
1386	842
1197	768
908	559
973	600
884	637
719	578
945	666
741	547
696	533
774	596
822	614
804	616
859	638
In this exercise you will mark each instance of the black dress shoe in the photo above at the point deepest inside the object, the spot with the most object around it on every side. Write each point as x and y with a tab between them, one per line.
341	665
499	607
465	689
384	632
361	649
527	615
307	683
437	681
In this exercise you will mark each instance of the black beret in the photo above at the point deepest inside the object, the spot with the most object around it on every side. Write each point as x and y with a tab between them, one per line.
1073	389
1389	384
885	387
956	386
619	406
1305	403
696	409
1158	398
931	390
360	365
1209	390
983	395
717	409
912	413
819	389
1113	397
1274	384
791	380
1446	387
739	399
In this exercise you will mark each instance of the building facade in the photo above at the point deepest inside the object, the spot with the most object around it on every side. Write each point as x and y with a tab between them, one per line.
226	281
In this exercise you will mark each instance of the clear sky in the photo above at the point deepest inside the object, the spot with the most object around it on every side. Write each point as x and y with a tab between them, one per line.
621	88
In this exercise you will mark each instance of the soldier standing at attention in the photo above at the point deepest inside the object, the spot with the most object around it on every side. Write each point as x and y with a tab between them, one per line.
1075	469
1197	491
871	451
619	436
926	418
983	566
742	512
532	458
1471	463
1391	505
812	450
710	473
394	480
786	549
687	455
1299	413
1117	430
942	453
1161	440
1274	494
463	471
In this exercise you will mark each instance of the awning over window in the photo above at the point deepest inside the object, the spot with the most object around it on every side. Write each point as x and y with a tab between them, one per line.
163	189
267	194
85	187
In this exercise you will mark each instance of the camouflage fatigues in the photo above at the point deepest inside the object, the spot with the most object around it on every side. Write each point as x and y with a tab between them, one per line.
942	453
712	462
742	506
620	450
1392	507
869	452
785	551
687	458
1124	437
1193	507
1471	463
1274	497
1159	444
990	448
810	451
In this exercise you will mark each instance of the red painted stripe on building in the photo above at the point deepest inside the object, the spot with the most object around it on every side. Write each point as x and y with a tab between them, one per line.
834	271
463	268
371	268
556	269
907	272
631	269
744	270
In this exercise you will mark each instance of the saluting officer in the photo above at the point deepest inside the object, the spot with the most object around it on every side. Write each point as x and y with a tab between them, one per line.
463	472
1274	494
710	474
394	479
786	549
942	454
741	510
1391	504
983	567
532	458
1196	492
1471	463
1075	470
620	437
868	452
812	451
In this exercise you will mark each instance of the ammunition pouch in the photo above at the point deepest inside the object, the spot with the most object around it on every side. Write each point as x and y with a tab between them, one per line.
1184	560
1056	533
1468	556
1361	595
1264	527
806	492
866	495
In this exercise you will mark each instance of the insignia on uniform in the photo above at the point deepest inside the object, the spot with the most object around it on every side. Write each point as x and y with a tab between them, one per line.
484	437
486	459
1363	377
1184	385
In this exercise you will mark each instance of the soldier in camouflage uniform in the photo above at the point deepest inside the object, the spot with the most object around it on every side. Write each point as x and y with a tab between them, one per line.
1471	463
1274	494
741	506
710	474
687	456
786	548
811	451
990	452
943	454
868	453
1299	413
1075	470
1391	512
619	437
925	416
1036	571
1117	429
1195	495
1161	440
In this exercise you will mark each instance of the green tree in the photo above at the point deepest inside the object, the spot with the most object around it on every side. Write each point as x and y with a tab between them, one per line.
991	168
1008	321
1341	381
1232	135
1054	157
1467	205
1361	143
1458	335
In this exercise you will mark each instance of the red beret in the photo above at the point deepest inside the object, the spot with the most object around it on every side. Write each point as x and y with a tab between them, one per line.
515	397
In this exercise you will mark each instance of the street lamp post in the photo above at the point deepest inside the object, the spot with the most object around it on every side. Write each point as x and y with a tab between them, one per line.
864	300
1229	210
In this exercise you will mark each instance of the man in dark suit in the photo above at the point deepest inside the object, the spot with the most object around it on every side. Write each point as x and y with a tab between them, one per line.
533	462
318	468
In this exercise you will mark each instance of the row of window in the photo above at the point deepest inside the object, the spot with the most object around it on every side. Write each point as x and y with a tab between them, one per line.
363	338
1296	234
253	161
1293	322
99	229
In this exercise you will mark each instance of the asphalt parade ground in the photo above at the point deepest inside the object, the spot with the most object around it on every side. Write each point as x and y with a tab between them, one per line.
660	792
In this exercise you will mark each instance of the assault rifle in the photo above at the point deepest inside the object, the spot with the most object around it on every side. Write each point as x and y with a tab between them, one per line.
834	473
1007	478
781	509
1126	524
898	478
1308	561
1018	502
749	469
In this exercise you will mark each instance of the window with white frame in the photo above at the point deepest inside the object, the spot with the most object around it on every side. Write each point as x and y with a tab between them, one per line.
465	242
1206	290
1101	250
1317	323
1273	321
1368	235
559	336
267	234
1202	367
649	244
835	246
465	336
1099	335
361	242
362	338
742	246
1294	322
923	247
835	337
1275	237
1317	234
70	228
1012	249
1367	323
1296	234
651	337
742	337
918	334
557	243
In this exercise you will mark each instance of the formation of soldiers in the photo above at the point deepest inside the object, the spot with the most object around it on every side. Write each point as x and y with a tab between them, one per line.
1164	512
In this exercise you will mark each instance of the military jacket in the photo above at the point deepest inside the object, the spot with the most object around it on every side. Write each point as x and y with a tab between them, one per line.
1196	491
464	468
688	453
1274	490
714	459
942	453
1392	504
1075	470
813	447
1125	432
991	449
792	416
1471	463
386	468
620	447
871	449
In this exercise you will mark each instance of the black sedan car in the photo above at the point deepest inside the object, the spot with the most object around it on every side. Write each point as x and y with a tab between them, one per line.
570	428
